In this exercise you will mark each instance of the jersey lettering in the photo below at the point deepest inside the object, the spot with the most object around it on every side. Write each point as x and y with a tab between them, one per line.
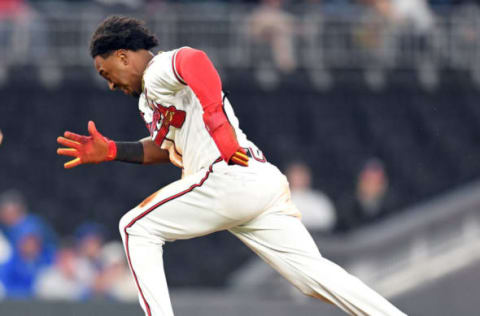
257	154
163	118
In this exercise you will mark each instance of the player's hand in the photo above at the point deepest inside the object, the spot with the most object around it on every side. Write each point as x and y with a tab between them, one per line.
94	148
240	158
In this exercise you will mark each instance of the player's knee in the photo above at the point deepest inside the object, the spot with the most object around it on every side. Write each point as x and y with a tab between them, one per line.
306	290
124	222
309	291
305	287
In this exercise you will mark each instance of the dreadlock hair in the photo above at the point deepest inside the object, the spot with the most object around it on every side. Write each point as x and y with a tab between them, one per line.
120	32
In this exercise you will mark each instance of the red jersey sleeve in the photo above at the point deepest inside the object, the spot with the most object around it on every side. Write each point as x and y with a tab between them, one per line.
194	68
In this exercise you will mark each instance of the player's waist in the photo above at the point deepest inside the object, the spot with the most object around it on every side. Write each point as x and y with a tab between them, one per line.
255	153
197	163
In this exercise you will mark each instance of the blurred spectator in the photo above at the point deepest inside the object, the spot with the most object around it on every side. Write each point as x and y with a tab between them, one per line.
373	198
372	37
115	280
465	38
15	220
1	137
19	273
400	28
90	238
92	270
32	242
272	31
414	14
64	280
5	249
372	185
373	25
23	37
313	33
5	255
411	17
15	17
318	212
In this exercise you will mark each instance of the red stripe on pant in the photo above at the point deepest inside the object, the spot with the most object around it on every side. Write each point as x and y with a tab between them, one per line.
147	307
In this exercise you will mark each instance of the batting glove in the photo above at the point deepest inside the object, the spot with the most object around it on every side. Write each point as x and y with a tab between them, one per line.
95	148
240	158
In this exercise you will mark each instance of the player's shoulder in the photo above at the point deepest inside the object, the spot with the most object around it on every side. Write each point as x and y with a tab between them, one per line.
162	60
162	66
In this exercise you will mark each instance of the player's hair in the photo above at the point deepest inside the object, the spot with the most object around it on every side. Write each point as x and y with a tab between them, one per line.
120	32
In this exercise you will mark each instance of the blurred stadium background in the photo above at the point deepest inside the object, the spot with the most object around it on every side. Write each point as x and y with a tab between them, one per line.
376	100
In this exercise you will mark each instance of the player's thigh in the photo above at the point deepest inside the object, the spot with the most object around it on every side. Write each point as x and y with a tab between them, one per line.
245	193
273	234
283	242
184	209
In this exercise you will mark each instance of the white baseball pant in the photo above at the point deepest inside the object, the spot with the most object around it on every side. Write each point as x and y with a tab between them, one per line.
254	204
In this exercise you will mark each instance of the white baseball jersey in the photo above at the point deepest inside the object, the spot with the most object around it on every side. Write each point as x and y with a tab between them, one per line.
252	202
174	116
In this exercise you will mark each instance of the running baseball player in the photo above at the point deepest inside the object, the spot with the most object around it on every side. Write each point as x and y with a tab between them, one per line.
226	184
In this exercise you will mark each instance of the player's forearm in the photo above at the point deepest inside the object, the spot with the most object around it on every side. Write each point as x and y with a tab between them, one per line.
152	153
144	151
129	152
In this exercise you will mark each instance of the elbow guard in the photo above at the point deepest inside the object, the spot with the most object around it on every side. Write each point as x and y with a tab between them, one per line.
222	133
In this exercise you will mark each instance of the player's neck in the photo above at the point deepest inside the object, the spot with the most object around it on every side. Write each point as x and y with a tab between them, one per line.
145	57
144	61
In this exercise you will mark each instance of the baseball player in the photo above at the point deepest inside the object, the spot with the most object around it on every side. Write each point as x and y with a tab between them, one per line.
226	184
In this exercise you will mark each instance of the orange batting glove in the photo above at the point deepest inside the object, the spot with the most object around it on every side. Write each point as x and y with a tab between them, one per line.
95	148
240	158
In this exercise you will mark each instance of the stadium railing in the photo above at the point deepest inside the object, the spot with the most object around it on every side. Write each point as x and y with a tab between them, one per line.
323	36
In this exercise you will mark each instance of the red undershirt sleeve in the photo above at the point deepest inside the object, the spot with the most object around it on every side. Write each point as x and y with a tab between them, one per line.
193	67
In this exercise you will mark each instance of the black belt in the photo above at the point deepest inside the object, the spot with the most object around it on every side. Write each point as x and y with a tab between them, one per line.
249	153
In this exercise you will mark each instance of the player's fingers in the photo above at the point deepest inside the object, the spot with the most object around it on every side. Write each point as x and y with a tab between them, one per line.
68	142
239	161
92	129
74	136
241	155
72	152
72	163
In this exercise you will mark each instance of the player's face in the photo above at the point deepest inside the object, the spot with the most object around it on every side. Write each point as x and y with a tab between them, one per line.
120	73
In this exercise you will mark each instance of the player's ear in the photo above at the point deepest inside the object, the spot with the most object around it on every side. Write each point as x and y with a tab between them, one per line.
122	55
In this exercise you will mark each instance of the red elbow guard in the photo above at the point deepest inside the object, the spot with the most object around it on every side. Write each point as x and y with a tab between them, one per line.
222	133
